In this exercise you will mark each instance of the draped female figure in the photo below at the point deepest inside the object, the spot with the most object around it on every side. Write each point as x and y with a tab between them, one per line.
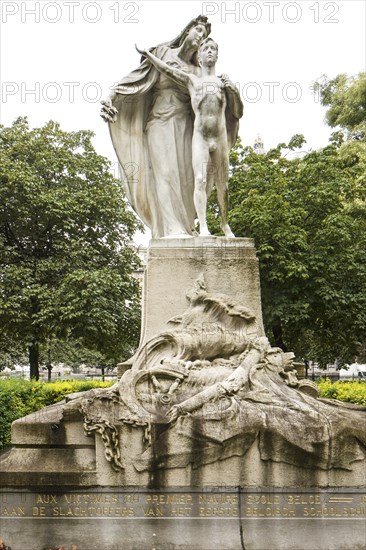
151	124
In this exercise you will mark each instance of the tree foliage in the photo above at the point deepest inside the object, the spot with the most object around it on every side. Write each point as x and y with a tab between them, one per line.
345	98
307	216
65	259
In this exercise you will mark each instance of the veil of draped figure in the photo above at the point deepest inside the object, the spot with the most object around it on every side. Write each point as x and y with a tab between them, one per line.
152	138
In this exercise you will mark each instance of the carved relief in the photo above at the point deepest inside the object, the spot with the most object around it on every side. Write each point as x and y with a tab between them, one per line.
209	387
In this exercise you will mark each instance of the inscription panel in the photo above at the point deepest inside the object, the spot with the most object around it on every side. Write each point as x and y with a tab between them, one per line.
212	503
177	519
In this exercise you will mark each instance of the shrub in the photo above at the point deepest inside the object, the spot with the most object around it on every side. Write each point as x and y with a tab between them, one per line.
21	397
351	392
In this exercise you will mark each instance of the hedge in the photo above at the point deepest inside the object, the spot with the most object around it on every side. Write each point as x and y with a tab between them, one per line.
351	392
21	397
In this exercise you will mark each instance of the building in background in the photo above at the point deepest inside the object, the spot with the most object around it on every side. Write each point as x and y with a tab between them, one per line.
259	146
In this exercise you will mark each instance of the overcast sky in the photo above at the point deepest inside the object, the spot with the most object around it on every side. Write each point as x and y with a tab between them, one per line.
59	58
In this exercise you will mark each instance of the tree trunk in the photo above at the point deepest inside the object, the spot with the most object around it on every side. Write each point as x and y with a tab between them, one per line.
34	360
49	369
277	334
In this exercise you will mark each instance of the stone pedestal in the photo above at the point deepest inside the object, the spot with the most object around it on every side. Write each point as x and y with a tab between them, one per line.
59	489
229	266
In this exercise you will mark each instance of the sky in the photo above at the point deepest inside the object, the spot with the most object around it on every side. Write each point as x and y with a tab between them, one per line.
60	58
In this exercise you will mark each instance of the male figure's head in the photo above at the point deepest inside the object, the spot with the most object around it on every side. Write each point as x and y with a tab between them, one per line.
208	53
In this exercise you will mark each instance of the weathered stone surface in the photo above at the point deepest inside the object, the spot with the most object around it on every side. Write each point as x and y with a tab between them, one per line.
229	266
85	465
45	427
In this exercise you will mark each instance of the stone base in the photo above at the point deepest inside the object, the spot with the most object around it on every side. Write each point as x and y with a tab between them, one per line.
59	490
48	449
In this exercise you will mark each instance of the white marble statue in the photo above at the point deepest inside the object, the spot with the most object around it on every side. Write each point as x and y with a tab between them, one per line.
210	152
150	118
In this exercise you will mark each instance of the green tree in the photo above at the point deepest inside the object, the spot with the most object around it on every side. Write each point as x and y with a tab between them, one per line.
345	98
65	259
308	218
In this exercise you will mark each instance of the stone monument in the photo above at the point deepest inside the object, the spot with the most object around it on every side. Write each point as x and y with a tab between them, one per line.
209	440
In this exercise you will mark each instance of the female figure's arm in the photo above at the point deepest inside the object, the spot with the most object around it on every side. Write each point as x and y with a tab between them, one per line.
176	74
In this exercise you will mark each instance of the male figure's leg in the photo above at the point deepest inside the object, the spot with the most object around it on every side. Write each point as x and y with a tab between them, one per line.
221	157
200	160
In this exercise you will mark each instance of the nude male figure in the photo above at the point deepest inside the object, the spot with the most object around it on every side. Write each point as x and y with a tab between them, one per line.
210	151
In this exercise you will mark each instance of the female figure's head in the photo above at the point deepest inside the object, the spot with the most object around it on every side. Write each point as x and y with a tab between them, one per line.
191	37
197	27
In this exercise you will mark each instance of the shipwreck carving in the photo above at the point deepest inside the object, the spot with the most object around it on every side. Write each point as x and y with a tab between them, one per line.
209	387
